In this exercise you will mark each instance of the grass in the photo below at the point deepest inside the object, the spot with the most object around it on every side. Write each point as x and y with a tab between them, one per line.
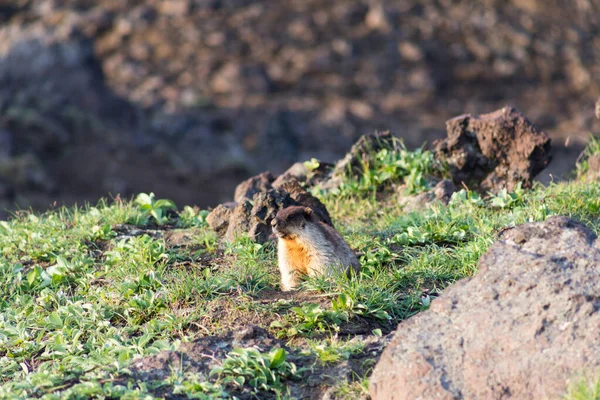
593	148
84	292
584	389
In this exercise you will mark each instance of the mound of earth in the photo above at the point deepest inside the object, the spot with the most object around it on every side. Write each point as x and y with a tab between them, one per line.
521	328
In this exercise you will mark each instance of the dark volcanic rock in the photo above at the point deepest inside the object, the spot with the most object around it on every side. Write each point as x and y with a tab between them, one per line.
239	221
252	216
523	326
305	175
266	206
218	219
302	197
495	150
256	184
444	190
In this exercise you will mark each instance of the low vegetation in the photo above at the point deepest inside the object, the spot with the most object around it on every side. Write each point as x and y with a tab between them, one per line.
85	292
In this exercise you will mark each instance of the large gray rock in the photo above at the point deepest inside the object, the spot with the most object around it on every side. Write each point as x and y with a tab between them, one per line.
523	326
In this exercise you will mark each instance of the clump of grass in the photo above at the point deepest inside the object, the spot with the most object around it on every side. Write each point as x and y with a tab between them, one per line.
333	350
152	209
393	164
584	389
261	371
592	149
192	217
310	318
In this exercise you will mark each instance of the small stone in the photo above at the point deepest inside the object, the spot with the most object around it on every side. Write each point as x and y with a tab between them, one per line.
218	219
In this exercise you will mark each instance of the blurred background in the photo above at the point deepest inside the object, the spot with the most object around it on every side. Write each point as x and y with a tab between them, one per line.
185	98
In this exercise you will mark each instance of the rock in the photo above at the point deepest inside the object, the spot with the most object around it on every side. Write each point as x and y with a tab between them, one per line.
239	221
218	219
266	205
442	192
308	200
6	192
302	197
301	172
157	74
253	216
297	170
281	137
25	172
247	189
288	183
494	151
520	328
226	78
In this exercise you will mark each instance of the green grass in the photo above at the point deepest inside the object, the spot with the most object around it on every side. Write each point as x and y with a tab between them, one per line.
584	389
391	165
82	296
593	148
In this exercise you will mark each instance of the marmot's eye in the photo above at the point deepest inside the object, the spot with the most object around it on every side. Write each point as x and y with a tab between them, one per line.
302	225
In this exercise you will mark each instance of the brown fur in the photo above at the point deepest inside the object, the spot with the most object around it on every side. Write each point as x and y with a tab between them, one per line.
308	246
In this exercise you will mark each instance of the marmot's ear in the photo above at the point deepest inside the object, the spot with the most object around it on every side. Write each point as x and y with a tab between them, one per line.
308	211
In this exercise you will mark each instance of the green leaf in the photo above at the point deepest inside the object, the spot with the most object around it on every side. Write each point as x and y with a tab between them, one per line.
312	164
277	358
5	227
165	204
54	320
157	214
276	324
239	380
32	276
144	199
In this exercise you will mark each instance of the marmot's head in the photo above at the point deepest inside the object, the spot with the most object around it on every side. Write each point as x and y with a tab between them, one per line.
291	221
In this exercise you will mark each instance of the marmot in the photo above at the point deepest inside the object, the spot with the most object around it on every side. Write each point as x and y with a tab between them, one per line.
308	246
